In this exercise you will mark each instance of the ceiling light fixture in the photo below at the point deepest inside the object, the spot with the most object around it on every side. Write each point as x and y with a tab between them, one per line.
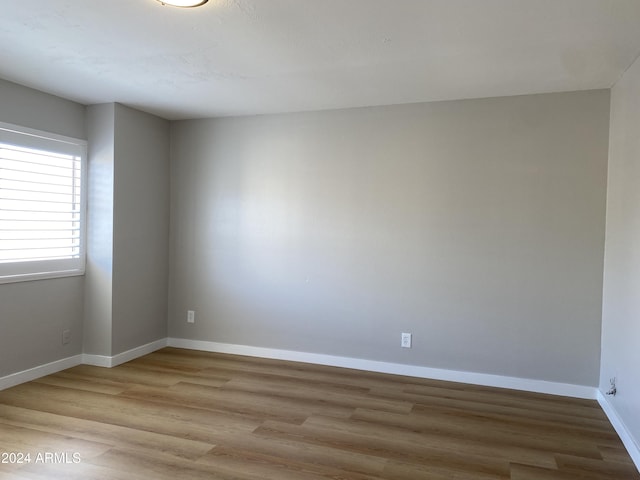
183	3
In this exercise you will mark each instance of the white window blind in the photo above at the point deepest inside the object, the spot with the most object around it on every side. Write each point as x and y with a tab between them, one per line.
41	205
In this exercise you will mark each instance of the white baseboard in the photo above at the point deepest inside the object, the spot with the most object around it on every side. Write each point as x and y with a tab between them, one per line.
627	439
120	358
39	371
96	360
86	359
540	386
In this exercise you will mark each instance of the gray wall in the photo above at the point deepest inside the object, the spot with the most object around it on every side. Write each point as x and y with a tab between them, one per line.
33	314
476	225
621	301
98	305
141	229
124	304
127	260
34	109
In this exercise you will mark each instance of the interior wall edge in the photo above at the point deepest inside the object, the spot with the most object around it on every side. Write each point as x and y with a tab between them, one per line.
621	429
123	357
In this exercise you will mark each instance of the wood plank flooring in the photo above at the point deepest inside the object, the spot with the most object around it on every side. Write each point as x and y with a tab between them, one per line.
196	415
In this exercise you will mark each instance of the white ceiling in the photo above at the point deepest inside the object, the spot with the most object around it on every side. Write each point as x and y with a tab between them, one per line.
237	57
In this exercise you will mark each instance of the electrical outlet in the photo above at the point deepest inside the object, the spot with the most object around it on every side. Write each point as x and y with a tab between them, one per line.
191	316
66	336
613	390
405	341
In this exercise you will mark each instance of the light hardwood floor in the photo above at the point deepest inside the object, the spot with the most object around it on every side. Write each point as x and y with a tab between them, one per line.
180	414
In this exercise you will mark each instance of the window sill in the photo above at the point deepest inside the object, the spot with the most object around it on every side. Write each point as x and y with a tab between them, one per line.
31	277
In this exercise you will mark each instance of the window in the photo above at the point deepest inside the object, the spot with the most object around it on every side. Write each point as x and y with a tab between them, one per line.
41	205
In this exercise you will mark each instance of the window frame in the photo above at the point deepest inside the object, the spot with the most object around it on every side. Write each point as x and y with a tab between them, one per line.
23	271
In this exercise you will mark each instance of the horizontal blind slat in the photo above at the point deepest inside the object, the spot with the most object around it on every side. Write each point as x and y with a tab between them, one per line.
34	182
35	173
45	164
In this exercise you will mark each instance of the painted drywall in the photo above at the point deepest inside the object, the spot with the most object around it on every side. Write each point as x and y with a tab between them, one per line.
476	225
141	229
34	314
34	109
127	264
621	298
98	305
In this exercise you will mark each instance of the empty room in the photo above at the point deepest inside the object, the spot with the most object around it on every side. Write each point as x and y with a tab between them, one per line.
301	240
